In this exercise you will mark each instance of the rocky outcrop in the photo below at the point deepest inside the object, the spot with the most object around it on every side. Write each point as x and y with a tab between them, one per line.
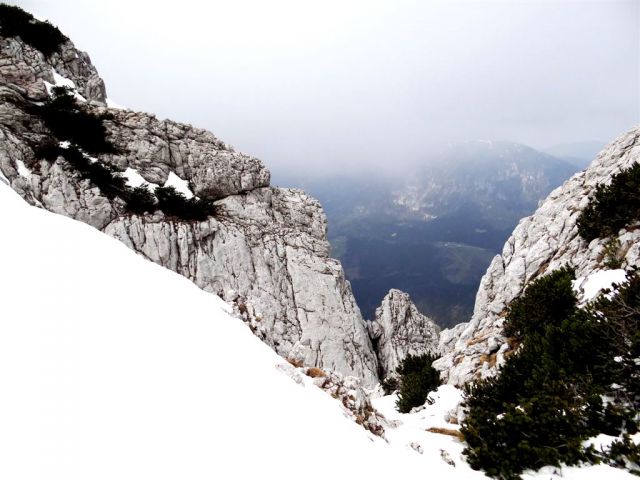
156	147
265	250
26	70
541	243
398	330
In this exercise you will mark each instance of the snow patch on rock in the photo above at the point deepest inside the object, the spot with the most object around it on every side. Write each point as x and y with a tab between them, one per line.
23	171
181	186
134	179
60	81
117	106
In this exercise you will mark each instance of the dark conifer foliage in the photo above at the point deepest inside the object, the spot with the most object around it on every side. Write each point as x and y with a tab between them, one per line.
174	203
613	206
548	397
417	378
72	122
86	133
141	200
15	22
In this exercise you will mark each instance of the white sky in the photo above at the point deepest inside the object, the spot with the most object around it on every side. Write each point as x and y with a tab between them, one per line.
348	84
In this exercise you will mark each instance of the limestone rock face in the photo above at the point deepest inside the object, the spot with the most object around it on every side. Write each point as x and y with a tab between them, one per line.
265	250
156	147
399	329
26	69
541	243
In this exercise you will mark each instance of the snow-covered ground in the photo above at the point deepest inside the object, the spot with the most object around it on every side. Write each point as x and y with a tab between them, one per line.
588	288
113	367
411	431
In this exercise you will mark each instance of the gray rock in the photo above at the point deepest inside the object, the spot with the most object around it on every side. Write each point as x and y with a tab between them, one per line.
27	69
541	243
265	250
155	147
399	329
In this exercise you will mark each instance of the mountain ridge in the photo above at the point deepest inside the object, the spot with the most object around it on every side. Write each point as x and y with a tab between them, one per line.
265	251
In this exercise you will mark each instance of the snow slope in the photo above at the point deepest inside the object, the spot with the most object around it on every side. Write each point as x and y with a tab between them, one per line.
113	367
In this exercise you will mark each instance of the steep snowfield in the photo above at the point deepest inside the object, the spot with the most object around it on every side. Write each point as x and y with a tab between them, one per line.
113	367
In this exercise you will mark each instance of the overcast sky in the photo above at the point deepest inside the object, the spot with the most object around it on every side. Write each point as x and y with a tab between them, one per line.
325	85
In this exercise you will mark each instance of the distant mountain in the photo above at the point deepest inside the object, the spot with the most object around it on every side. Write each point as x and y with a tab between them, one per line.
578	153
433	231
504	180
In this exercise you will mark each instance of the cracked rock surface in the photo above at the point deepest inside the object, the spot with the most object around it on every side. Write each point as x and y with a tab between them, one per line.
265	250
399	329
541	243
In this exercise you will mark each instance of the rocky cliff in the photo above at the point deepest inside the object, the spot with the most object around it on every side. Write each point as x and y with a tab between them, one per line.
399	329
541	243
265	250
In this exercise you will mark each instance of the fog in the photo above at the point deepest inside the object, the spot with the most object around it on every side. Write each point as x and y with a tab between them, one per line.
367	85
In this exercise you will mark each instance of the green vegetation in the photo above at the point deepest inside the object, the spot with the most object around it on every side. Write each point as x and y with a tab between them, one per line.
613	206
139	199
110	182
86	134
611	253
15	22
549	396
416	378
175	204
69	121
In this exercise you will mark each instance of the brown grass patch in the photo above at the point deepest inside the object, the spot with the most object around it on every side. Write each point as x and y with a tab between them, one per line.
490	359
295	363
446	431
513	346
315	372
475	340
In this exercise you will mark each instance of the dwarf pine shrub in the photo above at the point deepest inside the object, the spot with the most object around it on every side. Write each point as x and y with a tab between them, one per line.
416	377
70	121
613	206
548	396
15	22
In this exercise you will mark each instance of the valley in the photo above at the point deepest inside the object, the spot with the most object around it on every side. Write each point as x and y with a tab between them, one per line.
433	230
